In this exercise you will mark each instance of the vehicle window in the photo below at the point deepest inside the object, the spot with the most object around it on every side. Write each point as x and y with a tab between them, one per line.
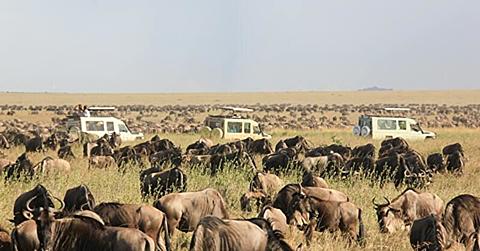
122	128
97	126
110	127
402	125
246	128
256	130
234	127
385	124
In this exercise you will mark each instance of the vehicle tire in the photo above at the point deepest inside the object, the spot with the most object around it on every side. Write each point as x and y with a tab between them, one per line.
357	130
365	131
216	133
205	131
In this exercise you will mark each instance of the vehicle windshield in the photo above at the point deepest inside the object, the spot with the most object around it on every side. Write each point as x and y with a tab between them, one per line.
123	128
416	128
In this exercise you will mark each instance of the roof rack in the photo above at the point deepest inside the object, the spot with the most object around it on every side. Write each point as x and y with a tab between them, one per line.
101	108
236	109
397	109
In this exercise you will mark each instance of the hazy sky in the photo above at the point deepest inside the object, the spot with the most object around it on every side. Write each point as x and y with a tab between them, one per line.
222	45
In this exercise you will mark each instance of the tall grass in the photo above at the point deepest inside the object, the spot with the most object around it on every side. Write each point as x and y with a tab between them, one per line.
110	185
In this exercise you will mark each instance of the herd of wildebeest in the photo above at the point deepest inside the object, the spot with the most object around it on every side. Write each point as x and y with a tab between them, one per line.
151	119
45	222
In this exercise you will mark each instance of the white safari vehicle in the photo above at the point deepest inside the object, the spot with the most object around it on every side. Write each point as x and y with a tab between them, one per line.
233	126
99	126
379	127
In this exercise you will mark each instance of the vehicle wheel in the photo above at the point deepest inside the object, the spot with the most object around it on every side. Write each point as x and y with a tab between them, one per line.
357	130
216	133
365	131
205	131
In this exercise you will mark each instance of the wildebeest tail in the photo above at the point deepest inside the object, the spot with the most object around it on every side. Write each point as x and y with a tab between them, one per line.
361	229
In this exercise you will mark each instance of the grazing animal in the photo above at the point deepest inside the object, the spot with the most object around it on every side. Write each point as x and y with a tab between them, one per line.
276	217
310	180
24	237
146	218
428	234
216	234
28	201
452	148
455	163
462	217
259	196
78	198
101	162
34	144
269	183
185	210
435	162
405	208
159	184
260	146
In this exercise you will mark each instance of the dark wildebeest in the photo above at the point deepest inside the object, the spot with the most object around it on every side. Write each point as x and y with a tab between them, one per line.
51	142
159	184
455	163
428	234
87	148
397	145
78	198
462	217
260	146
316	213
172	156
216	234
435	162
5	240
364	151
115	140
34	144
22	166
452	148
277	162
199	147
185	210
102	148
29	201
65	152
239	159
298	142
259	196
407	168
267	182
405	208
358	164
83	233
146	218
283	200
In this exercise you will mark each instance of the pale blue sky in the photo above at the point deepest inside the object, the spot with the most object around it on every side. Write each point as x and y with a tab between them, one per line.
222	45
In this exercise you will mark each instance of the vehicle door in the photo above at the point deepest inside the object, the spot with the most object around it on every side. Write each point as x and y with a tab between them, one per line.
403	129
386	128
110	127
123	131
234	130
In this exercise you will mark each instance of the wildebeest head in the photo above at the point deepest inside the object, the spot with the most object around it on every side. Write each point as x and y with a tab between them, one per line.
389	218
298	213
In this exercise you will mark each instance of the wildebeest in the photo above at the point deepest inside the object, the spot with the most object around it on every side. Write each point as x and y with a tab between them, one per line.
428	234
259	196
199	147
318	214
405	208
276	217
185	210
452	148
332	164
455	163
276	162
283	200
462	217
147	219
34	144
172	156
101	162
435	162
267	182
216	234
22	166
50	165
78	198
408	168
65	152
5	241
398	145
29	201
81	233
159	184
102	148
310	180
260	146
24	237
300	143
240	159
364	151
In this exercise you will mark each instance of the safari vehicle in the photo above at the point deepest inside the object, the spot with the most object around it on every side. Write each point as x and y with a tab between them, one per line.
385	127
233	126
100	125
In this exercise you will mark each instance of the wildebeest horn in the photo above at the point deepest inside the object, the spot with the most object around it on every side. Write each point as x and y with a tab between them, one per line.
29	208
388	201
374	203
62	205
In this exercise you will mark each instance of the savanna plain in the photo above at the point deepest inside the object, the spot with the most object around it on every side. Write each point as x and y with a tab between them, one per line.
112	186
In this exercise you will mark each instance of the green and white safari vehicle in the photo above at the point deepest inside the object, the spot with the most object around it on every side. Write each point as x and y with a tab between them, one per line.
386	127
232	126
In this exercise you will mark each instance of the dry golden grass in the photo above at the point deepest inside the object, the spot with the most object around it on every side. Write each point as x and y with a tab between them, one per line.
109	185
458	97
